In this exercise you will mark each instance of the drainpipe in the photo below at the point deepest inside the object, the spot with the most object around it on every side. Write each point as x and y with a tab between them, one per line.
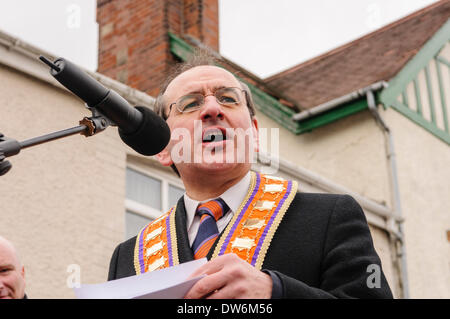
395	221
397	243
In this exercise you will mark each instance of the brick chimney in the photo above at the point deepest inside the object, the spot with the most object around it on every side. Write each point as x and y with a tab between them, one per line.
134	43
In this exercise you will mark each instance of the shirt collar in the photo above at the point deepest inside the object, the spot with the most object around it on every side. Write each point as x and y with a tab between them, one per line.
233	197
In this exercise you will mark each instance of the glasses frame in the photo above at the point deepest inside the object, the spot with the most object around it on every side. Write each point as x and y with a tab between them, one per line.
204	97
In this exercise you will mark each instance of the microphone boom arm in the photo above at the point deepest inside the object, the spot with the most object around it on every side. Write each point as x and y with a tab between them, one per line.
88	127
136	125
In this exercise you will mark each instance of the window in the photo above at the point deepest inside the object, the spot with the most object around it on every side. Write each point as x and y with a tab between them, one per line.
143	189
149	193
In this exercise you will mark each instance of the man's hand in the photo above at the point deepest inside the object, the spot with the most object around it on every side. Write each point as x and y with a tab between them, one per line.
229	277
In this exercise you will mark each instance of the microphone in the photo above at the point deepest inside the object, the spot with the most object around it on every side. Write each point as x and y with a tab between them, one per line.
140	128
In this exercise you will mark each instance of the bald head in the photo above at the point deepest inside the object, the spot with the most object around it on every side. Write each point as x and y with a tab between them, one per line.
12	272
182	82
7	246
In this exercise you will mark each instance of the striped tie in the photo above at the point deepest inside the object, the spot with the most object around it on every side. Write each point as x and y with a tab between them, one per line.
209	213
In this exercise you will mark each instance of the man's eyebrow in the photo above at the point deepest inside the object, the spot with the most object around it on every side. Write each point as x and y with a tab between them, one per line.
200	91
6	266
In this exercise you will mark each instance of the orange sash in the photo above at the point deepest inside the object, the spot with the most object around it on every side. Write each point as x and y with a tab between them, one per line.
248	234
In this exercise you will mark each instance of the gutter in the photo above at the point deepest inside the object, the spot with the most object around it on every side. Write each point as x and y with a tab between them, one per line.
22	56
397	243
321	108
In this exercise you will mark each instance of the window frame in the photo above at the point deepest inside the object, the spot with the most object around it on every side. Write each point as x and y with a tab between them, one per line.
166	180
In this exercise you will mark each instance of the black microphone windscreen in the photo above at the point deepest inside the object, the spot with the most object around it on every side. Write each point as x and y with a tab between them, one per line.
151	137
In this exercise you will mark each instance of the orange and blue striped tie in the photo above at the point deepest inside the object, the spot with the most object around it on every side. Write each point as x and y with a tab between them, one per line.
209	213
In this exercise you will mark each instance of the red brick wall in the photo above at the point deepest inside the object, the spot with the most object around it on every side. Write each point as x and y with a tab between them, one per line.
201	21
133	40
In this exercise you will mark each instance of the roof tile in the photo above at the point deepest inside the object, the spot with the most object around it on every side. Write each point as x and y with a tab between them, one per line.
378	56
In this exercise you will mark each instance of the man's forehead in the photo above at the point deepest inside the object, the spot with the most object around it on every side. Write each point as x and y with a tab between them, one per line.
7	251
200	77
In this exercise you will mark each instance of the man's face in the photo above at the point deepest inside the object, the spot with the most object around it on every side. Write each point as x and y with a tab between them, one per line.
228	152
12	274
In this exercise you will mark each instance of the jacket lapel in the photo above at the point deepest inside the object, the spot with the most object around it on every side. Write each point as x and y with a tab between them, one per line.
184	249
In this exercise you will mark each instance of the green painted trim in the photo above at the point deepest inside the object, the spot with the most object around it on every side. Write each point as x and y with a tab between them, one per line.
418	97
431	127
442	94
409	73
443	60
417	63
179	47
405	98
430	94
273	109
333	115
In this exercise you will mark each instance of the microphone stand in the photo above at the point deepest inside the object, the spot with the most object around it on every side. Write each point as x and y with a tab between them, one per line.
88	127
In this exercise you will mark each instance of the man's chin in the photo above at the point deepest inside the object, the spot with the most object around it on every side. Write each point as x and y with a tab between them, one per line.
216	167
216	161
219	167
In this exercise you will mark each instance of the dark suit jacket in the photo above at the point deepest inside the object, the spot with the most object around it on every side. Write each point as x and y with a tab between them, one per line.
321	249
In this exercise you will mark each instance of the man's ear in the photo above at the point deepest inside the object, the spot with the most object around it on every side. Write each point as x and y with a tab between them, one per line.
164	157
255	134
22	272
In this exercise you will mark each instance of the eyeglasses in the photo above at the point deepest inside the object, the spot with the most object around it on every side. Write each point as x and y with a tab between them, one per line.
227	96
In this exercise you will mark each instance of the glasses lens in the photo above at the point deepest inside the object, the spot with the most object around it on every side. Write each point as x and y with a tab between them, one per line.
189	103
228	96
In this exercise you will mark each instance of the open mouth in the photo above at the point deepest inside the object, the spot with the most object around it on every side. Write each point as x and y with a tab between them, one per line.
213	135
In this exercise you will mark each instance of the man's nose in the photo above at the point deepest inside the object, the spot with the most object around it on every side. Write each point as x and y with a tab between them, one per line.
211	110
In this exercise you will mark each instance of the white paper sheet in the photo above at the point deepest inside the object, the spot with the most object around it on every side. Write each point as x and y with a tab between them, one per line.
167	283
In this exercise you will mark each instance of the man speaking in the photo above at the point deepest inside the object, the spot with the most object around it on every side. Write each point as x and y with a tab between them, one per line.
263	238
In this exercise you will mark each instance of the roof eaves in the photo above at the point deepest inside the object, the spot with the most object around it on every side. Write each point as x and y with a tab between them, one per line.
324	107
337	109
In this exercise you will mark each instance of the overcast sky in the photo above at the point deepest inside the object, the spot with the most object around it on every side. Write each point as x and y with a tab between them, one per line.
264	36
